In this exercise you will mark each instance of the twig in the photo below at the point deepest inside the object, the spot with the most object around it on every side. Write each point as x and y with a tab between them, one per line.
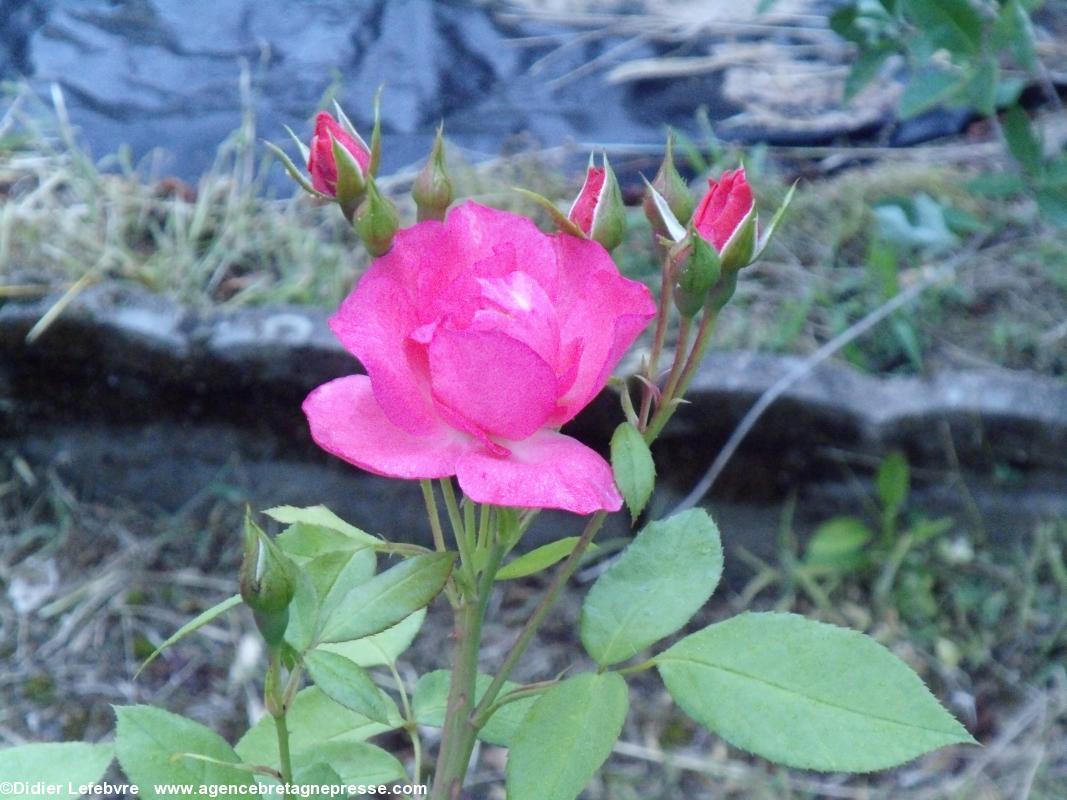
853	332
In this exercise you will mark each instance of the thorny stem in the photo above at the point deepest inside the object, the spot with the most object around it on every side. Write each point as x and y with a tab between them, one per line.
657	342
559	579
430	499
435	518
410	725
459	733
279	706
680	386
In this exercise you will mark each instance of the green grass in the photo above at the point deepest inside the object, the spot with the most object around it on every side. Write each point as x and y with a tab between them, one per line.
66	217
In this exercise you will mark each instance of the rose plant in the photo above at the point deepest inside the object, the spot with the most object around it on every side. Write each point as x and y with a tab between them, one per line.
481	336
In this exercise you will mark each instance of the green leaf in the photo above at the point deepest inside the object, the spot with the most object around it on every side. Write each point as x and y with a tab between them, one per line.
982	86
567	734
997	184
430	700
303	614
381	648
1052	202
666	574
954	25
893	481
317	774
540	558
351	686
387	598
354	763
926	529
865	69
806	694
1015	29
334	575
149	743
838	544
908	339
322	517
59	763
1022	141
197	622
304	542
635	472
314	721
927	88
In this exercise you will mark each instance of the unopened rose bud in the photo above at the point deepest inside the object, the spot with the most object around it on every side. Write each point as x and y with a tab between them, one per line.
598	210
699	269
726	218
376	221
338	160
432	190
268	582
672	188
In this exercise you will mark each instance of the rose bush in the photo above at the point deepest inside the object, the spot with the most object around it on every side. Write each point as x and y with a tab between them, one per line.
481	336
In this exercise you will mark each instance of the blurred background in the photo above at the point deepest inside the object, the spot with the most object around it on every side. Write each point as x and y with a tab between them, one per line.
881	433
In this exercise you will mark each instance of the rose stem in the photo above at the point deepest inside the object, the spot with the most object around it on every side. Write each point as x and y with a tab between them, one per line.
657	342
559	579
459	733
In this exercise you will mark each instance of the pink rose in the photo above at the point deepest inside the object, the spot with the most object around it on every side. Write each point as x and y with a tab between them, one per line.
724	209
322	165
481	335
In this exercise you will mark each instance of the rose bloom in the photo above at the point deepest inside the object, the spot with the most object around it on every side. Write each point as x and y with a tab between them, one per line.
481	336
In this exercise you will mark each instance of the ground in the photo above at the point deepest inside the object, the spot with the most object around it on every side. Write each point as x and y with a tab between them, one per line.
90	590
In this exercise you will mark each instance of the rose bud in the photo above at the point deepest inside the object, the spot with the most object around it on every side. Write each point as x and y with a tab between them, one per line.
432	190
268	582
376	221
598	210
339	160
672	188
726	218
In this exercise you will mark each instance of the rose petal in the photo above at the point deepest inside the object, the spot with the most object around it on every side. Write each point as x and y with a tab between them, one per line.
498	383
723	208
479	231
516	305
547	470
347	421
374	323
603	311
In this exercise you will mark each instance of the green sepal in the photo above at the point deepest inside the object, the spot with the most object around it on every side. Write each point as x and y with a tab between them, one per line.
699	268
376	221
672	188
294	172
768	234
609	214
557	216
675	230
351	183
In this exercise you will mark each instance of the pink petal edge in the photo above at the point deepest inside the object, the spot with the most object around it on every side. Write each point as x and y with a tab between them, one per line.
547	470
346	421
